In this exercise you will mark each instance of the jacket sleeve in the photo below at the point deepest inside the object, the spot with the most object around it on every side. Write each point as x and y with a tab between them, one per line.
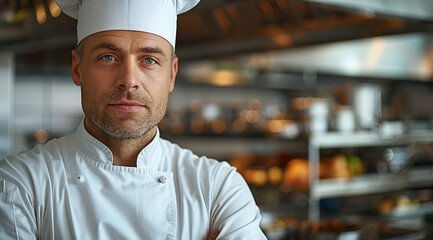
17	218
234	212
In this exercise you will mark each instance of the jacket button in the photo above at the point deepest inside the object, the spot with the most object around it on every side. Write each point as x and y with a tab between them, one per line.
79	179
163	179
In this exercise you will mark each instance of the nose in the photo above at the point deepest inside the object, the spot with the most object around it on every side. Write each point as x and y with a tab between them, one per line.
128	78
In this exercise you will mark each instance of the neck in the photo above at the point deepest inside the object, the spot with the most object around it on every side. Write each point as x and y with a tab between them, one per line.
125	151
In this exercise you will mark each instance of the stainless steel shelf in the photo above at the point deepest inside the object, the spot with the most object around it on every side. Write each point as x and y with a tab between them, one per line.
363	185
366	138
422	209
228	146
371	184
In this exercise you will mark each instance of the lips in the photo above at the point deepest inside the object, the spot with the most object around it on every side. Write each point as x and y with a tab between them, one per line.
127	106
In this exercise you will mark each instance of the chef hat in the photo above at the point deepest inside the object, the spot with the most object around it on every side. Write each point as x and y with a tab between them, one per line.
153	16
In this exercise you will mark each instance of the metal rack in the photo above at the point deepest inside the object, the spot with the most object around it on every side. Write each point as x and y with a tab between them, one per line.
368	184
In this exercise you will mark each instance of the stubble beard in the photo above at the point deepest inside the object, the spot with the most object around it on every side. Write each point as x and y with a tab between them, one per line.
111	124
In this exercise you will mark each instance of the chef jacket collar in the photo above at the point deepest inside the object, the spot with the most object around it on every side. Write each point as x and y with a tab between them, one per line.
148	157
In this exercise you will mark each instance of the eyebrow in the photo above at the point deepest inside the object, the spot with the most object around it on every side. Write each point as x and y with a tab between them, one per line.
150	50
107	46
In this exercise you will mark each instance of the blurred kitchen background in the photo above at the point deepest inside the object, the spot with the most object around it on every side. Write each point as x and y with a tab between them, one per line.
325	107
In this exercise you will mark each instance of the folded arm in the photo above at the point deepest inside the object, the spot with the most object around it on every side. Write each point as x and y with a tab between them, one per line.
234	212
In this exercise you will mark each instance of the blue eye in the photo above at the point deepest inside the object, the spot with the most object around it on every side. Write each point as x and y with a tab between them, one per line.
149	61
108	58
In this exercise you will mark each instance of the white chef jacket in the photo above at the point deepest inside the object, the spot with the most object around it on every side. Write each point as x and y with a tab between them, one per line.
70	189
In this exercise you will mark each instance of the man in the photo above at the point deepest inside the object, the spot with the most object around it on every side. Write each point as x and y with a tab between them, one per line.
115	178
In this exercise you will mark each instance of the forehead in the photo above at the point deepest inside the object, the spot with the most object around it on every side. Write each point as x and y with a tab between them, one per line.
130	40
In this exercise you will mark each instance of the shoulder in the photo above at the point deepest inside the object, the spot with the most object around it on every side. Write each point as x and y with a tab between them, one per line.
186	158
40	154
31	166
207	172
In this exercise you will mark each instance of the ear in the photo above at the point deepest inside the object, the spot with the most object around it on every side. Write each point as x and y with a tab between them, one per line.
174	69
76	76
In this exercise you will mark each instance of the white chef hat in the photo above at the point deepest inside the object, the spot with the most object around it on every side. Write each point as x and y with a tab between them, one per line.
153	16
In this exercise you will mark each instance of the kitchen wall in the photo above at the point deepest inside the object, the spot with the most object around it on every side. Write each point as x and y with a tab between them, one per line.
44	104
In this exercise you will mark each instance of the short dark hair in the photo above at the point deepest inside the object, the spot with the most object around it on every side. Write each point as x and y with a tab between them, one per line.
80	49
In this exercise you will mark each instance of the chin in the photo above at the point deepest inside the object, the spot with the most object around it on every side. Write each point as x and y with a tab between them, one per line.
123	133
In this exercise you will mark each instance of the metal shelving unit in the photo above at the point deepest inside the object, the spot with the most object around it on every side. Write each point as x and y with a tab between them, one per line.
417	178
368	184
365	139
